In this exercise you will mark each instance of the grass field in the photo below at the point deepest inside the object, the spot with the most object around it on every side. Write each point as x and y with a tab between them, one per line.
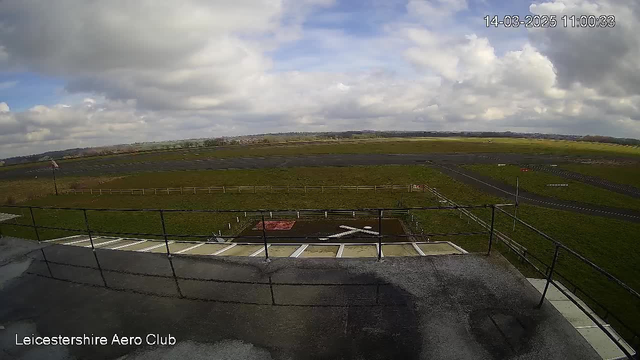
621	174
377	146
536	182
607	242
28	189
398	146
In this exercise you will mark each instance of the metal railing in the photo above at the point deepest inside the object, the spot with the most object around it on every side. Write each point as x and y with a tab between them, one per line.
373	213
550	270
252	189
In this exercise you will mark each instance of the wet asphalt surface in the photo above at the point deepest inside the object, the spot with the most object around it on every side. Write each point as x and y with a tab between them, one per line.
434	307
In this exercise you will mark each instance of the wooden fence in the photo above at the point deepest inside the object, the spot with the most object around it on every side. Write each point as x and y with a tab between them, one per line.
248	189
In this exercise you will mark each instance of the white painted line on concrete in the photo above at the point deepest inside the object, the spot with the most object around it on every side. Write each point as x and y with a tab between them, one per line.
189	248
340	251
64	238
124	246
415	246
299	251
223	250
154	246
103	243
457	247
256	253
75	242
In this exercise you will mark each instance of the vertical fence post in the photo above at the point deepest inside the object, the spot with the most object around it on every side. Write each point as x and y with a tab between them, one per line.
379	235
264	238
33	221
93	248
546	286
164	233
493	217
86	224
166	244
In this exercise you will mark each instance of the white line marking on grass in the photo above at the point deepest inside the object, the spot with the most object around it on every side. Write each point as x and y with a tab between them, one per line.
189	248
75	242
64	238
104	243
127	245
299	251
457	247
223	250
256	253
418	249
340	251
154	246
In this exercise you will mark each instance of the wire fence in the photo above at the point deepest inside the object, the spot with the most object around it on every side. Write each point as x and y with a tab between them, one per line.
253	189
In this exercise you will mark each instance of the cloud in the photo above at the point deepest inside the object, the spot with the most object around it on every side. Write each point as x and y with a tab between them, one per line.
150	71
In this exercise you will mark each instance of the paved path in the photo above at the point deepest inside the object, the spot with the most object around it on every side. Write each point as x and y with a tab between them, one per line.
500	189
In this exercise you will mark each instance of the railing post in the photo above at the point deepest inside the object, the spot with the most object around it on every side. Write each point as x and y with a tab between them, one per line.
33	221
166	243
93	248
86	224
264	238
379	235
546	286
493	217
164	233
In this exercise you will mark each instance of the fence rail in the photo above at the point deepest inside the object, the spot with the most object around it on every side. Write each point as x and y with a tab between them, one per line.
239	189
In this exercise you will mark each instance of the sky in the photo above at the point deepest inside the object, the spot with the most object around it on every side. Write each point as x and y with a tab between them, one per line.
92	73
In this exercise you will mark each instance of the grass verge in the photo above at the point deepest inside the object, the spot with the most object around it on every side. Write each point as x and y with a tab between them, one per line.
536	182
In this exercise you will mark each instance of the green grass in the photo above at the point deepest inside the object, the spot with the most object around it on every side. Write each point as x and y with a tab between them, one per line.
621	174
27	189
536	182
388	146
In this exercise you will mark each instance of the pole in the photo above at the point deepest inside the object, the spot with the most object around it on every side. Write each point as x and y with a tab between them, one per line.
493	217
166	243
379	235
55	185
546	286
33	221
86	224
264	237
515	211
164	234
93	248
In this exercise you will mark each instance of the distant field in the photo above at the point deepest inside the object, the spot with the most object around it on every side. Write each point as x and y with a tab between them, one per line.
376	146
621	174
536	182
22	190
398	146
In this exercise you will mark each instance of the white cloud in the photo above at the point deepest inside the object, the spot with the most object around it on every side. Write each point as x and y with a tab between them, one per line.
150	71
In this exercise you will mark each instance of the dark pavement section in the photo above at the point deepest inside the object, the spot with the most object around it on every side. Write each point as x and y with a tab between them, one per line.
591	180
497	188
105	167
439	307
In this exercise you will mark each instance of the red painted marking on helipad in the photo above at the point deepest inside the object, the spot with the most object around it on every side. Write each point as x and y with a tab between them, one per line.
274	225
